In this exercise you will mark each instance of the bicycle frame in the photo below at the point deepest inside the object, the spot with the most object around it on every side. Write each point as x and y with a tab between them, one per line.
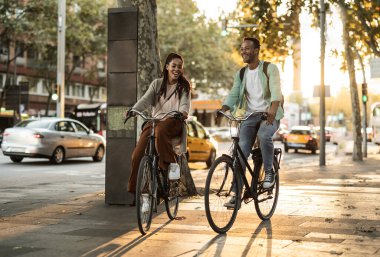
236	153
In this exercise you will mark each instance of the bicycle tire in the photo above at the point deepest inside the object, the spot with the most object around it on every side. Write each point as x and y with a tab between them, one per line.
144	195
266	201
172	192
214	203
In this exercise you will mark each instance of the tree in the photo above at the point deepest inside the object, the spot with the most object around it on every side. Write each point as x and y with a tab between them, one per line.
85	34
23	25
361	36
208	55
279	34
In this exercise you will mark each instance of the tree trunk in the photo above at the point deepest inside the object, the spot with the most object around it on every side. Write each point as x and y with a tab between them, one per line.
187	186
357	154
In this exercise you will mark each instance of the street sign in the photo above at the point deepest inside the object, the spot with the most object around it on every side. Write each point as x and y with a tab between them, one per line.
374	65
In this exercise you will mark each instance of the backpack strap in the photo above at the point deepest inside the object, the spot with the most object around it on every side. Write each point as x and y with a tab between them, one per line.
265	70
241	73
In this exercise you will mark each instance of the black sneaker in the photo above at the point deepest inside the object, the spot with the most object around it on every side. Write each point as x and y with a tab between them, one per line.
231	203
269	179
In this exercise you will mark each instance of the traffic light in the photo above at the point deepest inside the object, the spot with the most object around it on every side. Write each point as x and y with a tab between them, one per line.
364	93
55	94
224	27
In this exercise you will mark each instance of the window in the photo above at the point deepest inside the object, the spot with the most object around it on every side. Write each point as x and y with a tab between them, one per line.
19	49
64	126
77	61
34	124
44	87
32	53
190	130
201	132
80	128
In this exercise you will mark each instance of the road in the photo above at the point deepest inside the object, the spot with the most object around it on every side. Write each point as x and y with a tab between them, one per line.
45	183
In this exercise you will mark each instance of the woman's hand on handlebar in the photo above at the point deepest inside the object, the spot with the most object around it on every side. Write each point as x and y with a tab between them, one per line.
129	114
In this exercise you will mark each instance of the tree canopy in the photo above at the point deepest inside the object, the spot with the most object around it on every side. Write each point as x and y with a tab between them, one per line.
207	54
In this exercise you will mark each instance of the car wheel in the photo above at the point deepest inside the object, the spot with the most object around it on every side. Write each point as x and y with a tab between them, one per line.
58	155
286	148
313	151
16	158
99	154
211	159
296	150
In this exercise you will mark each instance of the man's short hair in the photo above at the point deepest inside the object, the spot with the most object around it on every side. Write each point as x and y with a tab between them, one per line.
255	41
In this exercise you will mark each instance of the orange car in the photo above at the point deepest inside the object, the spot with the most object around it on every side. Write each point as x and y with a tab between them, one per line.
301	137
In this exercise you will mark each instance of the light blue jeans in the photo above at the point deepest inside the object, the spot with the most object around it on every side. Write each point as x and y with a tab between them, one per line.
248	133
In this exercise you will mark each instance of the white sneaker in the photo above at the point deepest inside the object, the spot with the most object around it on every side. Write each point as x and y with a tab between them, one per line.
269	179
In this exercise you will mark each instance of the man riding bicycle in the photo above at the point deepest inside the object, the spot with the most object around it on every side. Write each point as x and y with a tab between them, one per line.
251	92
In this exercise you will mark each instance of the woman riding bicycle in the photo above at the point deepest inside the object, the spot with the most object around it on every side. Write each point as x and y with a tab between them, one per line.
169	93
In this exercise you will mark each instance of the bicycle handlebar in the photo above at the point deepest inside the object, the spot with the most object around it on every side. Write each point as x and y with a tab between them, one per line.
142	115
264	116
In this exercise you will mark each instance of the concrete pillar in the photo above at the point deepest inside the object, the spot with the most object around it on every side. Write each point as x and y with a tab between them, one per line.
121	95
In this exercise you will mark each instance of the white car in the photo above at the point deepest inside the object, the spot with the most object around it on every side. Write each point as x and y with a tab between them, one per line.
53	138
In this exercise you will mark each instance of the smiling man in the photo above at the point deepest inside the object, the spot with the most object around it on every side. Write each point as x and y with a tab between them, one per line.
253	93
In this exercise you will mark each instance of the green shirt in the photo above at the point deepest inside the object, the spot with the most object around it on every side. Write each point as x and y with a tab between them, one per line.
237	97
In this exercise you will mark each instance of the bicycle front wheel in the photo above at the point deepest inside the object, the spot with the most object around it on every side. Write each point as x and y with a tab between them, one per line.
218	191
266	201
144	195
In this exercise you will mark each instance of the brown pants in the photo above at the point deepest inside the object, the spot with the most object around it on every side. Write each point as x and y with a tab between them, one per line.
165	131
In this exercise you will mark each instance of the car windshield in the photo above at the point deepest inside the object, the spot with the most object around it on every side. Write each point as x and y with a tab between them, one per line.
300	132
33	124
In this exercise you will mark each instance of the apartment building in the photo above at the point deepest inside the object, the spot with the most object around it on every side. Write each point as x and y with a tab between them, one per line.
87	83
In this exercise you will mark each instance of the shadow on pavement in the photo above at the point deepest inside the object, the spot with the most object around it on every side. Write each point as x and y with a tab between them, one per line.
261	241
121	251
219	240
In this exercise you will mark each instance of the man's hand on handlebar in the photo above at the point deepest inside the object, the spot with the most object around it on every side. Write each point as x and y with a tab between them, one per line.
218	116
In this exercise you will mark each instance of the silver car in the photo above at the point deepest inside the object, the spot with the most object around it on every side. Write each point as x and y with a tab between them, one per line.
53	138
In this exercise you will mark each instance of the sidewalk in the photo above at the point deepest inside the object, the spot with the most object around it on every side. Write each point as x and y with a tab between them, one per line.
330	211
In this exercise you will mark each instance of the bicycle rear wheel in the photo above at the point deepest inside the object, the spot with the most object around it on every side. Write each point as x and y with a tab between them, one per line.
144	195
218	191
266	201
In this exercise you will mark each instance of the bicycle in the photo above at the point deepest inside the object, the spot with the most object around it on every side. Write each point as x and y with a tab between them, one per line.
151	178
228	170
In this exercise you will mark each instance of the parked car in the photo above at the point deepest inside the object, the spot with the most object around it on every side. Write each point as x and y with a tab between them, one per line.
301	137
201	146
54	138
328	132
